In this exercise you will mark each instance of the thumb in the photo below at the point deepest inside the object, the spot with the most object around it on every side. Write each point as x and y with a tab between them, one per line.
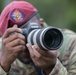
15	26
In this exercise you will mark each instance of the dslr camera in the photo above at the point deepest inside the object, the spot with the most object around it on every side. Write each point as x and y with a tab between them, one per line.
49	38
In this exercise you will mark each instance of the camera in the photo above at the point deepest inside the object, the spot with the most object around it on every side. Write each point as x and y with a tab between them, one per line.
49	38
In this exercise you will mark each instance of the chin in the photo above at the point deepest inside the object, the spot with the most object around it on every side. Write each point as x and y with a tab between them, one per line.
25	61
24	57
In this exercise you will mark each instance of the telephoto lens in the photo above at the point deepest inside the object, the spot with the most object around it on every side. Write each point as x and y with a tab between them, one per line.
46	38
49	38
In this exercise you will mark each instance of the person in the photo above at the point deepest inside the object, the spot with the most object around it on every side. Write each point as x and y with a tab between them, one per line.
14	46
19	58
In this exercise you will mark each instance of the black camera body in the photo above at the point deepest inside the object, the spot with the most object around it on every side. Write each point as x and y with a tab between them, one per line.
49	38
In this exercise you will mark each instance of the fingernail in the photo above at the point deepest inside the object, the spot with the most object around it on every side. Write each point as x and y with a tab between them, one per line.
27	45
20	29
15	25
32	46
35	46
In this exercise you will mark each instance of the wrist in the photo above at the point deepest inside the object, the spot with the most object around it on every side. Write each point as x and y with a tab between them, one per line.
5	67
2	72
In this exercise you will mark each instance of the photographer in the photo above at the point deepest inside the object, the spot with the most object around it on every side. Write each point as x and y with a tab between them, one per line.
17	56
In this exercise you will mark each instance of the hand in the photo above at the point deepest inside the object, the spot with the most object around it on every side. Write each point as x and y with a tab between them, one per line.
12	44
43	59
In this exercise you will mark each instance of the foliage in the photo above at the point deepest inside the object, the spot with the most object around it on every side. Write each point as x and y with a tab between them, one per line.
59	13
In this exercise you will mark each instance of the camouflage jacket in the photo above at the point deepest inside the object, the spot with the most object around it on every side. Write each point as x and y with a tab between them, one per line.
66	59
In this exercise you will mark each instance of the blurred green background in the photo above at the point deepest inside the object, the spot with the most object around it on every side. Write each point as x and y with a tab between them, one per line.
58	13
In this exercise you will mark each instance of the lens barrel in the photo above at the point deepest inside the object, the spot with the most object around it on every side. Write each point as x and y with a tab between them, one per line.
49	38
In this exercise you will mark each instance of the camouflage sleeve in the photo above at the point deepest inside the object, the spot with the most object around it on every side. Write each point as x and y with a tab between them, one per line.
59	69
2	72
66	62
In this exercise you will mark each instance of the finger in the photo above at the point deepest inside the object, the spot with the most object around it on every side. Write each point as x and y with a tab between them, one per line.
19	48
15	36
30	50
16	43
40	51
15	26
36	53
50	53
9	31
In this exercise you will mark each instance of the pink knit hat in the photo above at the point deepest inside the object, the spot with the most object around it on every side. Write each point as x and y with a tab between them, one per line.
17	12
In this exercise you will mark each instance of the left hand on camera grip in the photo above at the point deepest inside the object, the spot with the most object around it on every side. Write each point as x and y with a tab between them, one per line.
12	44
